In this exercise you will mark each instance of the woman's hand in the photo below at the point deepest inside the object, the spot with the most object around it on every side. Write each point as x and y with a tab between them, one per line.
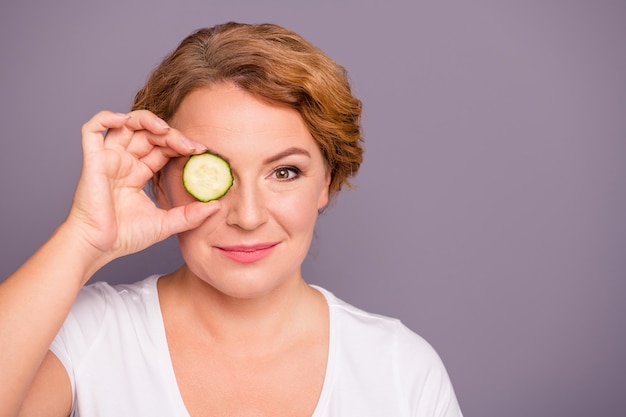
111	216
111	213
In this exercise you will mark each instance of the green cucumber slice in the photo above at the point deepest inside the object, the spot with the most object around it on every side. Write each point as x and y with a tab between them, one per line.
207	176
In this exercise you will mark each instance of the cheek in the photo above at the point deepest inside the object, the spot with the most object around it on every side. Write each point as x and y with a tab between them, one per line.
180	197
296	211
174	189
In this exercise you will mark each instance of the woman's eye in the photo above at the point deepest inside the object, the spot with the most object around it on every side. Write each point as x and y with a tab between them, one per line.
286	173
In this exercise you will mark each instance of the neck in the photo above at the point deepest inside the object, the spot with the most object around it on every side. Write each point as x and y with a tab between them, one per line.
265	321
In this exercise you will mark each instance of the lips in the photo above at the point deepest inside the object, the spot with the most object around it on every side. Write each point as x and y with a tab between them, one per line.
247	253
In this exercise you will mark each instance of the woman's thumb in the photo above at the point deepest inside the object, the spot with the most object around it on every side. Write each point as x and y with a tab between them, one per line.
182	218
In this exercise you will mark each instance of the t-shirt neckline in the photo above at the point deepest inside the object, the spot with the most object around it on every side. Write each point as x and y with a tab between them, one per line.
166	360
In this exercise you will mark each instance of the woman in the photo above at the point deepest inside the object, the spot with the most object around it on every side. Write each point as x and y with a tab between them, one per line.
236	330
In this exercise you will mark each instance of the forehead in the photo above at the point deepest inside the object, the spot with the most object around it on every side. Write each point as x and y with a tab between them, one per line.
227	112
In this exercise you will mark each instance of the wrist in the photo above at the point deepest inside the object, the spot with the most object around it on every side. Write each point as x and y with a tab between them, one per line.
83	255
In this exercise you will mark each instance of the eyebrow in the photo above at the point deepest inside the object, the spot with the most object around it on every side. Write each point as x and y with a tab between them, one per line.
287	152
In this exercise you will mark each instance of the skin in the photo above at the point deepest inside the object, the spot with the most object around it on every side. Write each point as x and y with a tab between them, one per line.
256	327
110	217
272	334
280	183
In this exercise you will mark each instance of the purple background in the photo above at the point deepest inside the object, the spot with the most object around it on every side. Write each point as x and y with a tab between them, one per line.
489	214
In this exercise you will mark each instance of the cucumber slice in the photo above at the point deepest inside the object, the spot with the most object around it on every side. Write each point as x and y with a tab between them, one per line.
207	176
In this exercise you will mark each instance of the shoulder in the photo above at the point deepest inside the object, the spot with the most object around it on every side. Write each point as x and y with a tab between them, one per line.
98	297
104	290
394	362
104	314
382	331
100	307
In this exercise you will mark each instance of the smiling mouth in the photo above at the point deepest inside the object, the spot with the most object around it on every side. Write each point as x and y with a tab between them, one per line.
247	254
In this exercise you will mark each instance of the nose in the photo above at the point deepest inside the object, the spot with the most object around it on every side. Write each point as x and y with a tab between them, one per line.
246	207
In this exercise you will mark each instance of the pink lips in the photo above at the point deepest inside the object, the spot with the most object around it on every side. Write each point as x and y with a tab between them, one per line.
247	253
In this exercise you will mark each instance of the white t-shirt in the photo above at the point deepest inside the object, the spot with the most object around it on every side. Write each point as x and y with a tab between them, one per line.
114	349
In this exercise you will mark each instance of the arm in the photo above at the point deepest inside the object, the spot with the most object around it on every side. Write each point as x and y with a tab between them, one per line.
111	216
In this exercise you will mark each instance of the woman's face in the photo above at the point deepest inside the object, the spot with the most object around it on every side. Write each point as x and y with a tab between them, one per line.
259	238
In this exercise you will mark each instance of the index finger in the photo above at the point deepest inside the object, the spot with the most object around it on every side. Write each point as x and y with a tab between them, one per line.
146	120
138	120
159	133
93	130
171	144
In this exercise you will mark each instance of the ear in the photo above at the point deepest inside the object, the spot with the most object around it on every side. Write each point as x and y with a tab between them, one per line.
322	201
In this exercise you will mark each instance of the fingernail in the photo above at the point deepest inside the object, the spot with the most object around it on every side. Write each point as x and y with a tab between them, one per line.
123	115
194	146
163	123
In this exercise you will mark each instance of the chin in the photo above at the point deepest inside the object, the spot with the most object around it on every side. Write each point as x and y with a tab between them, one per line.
244	285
